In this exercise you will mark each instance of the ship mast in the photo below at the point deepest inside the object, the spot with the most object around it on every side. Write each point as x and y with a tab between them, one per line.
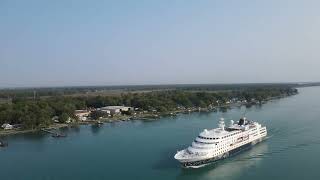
221	124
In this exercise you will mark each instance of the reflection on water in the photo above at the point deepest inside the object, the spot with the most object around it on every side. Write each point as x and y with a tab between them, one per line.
32	136
74	128
96	128
229	168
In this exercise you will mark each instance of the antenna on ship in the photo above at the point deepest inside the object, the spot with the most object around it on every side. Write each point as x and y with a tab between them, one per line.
221	124
231	122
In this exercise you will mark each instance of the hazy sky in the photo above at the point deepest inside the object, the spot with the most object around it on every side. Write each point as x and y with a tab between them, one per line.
77	42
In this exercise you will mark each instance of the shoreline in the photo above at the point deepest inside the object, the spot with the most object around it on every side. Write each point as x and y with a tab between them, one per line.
24	131
142	117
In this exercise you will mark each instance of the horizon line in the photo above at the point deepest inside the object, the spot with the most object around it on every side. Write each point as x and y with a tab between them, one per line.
141	85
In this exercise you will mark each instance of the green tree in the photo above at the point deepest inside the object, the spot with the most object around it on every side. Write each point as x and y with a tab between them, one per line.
63	118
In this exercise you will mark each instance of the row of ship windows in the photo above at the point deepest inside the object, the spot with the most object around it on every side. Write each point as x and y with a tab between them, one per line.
222	145
204	142
254	134
231	135
220	152
261	132
204	147
207	138
220	149
218	138
210	148
219	146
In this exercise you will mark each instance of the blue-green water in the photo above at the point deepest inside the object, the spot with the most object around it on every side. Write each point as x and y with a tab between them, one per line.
145	150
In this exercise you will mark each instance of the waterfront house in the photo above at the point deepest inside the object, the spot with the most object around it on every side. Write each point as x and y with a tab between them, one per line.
7	126
82	114
115	110
100	113
104	111
55	119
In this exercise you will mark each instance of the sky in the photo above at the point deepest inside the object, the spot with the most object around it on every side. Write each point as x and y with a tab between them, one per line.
83	42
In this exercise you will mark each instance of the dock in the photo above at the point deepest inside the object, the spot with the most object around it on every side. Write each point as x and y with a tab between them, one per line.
54	133
3	144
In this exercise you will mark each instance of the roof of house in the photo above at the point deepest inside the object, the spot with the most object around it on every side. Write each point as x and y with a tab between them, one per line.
113	107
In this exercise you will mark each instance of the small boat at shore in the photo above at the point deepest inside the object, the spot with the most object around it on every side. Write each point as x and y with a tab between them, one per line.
99	122
3	144
56	135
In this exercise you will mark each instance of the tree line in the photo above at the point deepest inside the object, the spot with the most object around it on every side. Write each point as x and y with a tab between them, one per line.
35	113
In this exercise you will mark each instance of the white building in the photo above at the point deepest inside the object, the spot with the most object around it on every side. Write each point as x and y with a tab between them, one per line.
105	111
115	109
82	114
55	119
7	126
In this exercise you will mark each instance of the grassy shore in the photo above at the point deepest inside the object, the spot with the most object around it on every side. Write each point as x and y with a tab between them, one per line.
22	131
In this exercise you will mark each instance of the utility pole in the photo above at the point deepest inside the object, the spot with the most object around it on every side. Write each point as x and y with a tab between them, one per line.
34	95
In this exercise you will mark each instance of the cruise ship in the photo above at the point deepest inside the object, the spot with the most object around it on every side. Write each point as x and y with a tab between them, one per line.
222	142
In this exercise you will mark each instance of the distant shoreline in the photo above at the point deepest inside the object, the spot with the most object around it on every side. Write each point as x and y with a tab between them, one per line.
126	86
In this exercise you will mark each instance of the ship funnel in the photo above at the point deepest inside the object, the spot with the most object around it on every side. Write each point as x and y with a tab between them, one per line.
242	121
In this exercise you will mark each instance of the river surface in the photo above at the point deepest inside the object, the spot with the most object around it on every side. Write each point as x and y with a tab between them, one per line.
145	150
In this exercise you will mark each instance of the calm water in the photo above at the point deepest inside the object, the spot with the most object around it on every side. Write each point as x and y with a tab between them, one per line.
145	150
